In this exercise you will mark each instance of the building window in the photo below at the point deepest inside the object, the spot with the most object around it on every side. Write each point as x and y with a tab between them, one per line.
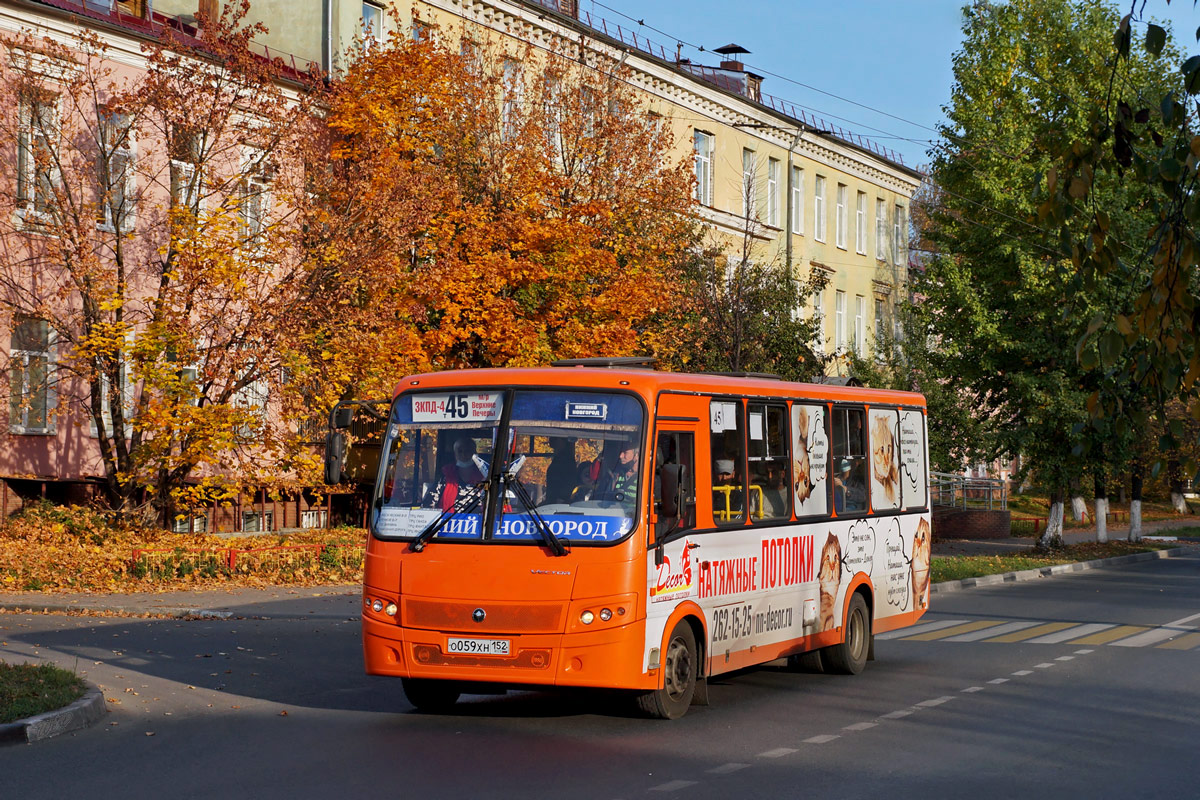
184	147
819	210
703	144
860	312
258	521
860	224
37	136
255	196
839	321
421	32
842	213
797	200
881	236
372	26
124	391
880	326
773	192
115	172
899	236
819	318
31	367
314	518
513	89
748	188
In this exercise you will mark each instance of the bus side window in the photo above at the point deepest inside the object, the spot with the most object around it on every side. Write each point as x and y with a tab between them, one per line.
770	497
727	447
849	461
676	448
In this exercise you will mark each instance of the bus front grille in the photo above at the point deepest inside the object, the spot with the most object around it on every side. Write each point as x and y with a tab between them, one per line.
449	615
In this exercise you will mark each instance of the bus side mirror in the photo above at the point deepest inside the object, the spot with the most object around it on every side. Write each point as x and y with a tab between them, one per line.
343	417
335	457
671	476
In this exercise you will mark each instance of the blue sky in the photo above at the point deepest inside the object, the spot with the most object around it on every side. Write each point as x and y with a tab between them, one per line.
893	56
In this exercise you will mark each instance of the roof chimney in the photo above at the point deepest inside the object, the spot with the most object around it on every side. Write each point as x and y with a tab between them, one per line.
731	63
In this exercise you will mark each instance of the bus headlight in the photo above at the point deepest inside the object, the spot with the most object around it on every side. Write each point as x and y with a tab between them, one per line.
390	609
377	606
587	617
605	614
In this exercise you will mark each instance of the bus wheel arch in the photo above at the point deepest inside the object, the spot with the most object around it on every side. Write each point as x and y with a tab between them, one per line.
682	681
858	642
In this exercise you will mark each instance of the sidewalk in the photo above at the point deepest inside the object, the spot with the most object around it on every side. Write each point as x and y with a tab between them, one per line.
213	604
1014	544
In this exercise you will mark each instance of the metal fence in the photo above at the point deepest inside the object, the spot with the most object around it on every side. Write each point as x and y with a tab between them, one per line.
959	491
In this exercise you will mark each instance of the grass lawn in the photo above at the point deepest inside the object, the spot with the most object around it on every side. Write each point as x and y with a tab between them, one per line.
1034	504
952	568
29	689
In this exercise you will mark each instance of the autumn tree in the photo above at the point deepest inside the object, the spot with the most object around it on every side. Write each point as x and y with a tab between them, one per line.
484	207
145	235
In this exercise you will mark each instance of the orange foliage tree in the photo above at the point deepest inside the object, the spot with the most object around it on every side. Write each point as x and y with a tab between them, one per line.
148	230
483	207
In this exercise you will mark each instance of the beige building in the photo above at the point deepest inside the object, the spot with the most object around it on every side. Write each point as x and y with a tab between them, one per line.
809	196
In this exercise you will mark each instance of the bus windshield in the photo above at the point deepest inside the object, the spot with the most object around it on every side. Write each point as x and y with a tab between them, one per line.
574	458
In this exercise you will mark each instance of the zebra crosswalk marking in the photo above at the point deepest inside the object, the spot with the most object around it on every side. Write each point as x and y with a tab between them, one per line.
1104	637
1007	627
1152	636
1031	633
1185	642
1071	633
930	636
928	626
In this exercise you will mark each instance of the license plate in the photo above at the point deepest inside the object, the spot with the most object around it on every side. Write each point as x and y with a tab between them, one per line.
478	647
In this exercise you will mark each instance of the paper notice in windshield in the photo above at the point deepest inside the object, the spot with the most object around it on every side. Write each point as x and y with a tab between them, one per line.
462	407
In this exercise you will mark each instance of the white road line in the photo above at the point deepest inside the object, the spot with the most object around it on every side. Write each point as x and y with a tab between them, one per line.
822	739
672	786
1023	672
778	752
1065	658
937	701
998	680
1151	636
998	630
1083	652
725	769
861	726
1078	632
1044	665
972	689
928	626
1182	623
898	714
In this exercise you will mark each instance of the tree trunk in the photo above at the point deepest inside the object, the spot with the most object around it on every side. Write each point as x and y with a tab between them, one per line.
1079	508
1135	504
1174	476
1101	511
1054	525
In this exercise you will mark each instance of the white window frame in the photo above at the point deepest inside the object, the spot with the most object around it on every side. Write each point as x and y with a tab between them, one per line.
370	37
842	217
32	184
881	236
773	192
702	144
860	311
124	153
798	201
749	184
839	320
899	240
18	414
860	225
819	208
258	517
819	318
254	396
186	177
254	201
512	88
880	323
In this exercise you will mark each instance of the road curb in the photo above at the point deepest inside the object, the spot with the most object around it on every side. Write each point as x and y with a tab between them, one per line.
1046	572
175	612
83	712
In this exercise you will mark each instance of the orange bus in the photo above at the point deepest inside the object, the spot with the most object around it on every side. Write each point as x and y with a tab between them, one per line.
600	524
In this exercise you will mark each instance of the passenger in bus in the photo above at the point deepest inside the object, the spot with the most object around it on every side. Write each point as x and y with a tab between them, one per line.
463	472
589	474
849	492
775	499
561	472
840	489
727	491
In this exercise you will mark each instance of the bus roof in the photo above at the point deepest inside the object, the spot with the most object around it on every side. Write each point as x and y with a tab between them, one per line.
651	382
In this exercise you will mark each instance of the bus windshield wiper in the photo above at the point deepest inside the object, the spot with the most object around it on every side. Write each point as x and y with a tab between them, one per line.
543	528
462	504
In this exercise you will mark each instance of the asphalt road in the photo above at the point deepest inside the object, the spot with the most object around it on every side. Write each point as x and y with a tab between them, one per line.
1067	686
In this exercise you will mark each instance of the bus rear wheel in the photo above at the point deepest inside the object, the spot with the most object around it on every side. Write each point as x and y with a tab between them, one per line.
679	666
430	696
850	656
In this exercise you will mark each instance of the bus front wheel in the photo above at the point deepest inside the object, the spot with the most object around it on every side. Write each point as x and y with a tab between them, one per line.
850	656
430	696
679	666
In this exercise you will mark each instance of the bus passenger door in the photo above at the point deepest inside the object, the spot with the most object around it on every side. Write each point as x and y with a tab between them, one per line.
674	452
